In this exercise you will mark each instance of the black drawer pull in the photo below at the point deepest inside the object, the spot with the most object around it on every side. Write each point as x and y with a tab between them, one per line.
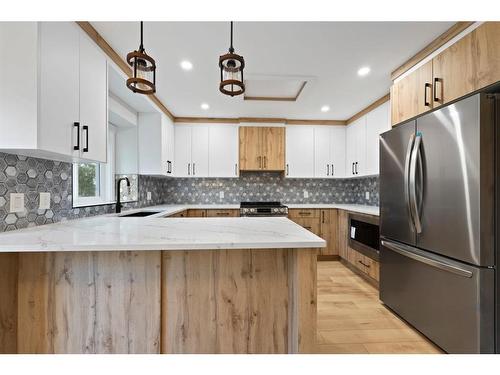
77	147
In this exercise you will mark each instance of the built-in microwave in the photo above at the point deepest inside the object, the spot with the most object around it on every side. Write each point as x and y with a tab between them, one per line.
364	235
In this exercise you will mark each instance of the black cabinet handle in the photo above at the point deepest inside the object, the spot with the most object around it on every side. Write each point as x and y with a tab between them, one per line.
436	80
426	102
322	217
328	170
352	168
85	128
194	170
287	169
236	169
356	165
189	169
332	170
77	147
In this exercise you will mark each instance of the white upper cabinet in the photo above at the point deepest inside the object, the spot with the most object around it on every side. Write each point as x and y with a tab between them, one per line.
377	122
155	133
223	151
337	144
355	147
93	100
58	82
191	151
299	151
199	151
362	142
322	152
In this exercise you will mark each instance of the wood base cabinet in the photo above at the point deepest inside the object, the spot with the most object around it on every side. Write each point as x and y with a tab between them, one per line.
194	301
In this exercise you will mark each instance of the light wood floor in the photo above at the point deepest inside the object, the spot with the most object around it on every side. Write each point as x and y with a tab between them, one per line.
351	319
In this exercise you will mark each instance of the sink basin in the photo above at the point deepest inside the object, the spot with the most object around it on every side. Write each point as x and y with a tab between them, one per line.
141	214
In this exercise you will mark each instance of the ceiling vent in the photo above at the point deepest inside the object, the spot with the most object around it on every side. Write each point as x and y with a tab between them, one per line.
274	88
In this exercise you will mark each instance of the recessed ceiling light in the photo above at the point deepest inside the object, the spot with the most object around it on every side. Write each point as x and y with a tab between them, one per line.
325	108
186	65
364	71
205	106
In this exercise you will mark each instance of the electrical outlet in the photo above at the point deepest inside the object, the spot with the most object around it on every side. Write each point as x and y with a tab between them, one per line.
148	195
221	195
306	194
44	201
16	202
367	195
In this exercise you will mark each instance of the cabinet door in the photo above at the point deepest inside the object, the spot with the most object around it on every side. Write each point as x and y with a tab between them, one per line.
93	101
197	213
360	141
167	146
199	151
299	151
59	87
329	231
486	53
310	223
453	72
338	151
412	95
377	122
223	151
250	148
182	149
273	147
350	149
343	228
322	148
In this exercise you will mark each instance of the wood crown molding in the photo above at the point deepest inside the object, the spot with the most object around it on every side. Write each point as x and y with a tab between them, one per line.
118	60
444	38
259	120
370	108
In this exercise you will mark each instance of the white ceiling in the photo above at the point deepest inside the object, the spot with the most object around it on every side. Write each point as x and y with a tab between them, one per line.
329	54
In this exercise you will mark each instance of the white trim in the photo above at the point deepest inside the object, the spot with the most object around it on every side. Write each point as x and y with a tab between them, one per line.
455	39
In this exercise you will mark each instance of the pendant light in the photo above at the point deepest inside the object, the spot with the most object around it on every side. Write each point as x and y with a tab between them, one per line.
144	70
231	71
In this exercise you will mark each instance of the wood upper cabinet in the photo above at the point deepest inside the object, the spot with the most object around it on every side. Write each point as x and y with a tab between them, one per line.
262	148
453	72
412	95
486	52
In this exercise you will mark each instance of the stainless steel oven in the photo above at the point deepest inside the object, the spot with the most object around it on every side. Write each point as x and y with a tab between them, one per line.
364	235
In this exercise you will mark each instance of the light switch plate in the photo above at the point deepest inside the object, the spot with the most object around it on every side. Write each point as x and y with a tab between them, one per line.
44	201
16	202
148	195
367	195
221	195
306	194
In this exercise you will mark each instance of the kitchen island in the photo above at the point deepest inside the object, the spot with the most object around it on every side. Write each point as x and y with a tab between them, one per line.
159	285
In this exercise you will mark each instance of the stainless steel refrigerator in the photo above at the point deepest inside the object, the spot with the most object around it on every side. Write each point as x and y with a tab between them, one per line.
438	224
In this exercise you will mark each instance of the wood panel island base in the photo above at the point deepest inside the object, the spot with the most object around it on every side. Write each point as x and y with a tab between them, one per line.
185	301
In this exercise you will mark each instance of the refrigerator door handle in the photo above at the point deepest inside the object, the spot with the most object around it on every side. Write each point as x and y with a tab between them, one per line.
407	179
415	154
408	252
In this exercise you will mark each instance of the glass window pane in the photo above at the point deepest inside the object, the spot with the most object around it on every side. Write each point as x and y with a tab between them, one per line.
88	180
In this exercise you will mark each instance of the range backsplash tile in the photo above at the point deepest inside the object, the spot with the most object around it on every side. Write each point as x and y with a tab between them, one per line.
262	186
21	174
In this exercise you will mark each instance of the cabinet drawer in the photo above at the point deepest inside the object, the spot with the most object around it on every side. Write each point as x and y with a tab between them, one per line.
298	213
311	224
372	268
223	213
197	213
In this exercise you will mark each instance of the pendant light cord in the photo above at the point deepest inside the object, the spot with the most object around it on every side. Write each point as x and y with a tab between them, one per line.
141	47
231	49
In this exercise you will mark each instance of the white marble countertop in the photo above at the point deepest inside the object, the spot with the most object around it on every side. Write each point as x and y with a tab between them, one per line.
156	232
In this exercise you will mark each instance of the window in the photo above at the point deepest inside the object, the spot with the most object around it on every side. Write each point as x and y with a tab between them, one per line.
93	183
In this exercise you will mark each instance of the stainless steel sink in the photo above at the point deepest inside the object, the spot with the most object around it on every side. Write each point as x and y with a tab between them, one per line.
141	214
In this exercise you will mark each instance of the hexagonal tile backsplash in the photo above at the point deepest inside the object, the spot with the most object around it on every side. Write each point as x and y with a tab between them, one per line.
31	176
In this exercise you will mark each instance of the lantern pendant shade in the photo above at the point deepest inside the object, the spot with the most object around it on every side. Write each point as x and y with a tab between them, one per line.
231	71
143	67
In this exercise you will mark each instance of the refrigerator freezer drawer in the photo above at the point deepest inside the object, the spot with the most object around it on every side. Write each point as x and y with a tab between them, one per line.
449	302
